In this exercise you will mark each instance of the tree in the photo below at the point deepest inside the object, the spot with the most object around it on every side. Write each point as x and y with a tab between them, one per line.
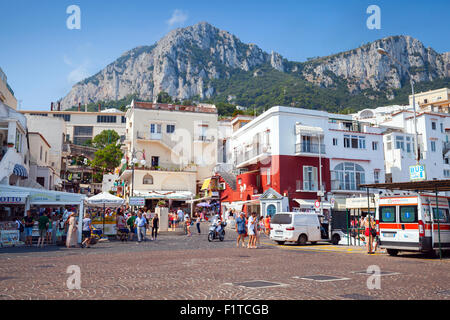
164	97
105	138
107	158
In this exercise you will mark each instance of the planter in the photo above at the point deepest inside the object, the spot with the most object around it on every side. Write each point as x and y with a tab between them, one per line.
10	145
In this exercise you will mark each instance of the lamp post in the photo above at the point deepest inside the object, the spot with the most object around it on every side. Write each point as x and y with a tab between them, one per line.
133	161
383	52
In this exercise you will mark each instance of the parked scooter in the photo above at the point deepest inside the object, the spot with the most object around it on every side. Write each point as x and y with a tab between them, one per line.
213	234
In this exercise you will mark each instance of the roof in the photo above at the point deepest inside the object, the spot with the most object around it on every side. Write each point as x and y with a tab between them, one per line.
171	107
41	137
418	186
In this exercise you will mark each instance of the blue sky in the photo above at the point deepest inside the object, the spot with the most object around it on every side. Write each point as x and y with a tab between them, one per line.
43	59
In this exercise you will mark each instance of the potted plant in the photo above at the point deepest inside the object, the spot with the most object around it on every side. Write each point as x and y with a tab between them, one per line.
10	145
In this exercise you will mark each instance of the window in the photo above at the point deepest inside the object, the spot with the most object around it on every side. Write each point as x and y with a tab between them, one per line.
282	218
155	128
354	142
433	146
447	172
349	176
362	142
65	117
443	215
335	141
400	143
148	179
376	176
170	128
389	145
408	214
124	119
442	127
268	176
433	125
309	178
106	119
346	141
387	214
374	145
45	156
81	134
40	153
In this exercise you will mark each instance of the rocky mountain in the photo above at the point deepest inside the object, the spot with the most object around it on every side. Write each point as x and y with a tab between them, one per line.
187	62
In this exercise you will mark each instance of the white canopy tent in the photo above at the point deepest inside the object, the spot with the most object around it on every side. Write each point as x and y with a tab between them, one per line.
105	199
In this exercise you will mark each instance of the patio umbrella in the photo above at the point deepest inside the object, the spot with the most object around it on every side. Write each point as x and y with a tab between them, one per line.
103	199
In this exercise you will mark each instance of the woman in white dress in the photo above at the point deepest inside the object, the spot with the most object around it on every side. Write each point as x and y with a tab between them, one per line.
71	240
252	231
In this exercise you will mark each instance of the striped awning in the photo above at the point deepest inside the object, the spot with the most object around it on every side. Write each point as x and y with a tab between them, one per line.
20	171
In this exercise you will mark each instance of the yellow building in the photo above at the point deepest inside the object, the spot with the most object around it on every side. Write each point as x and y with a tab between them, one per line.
431	96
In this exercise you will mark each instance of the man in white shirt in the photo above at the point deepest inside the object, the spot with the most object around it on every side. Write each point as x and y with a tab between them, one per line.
140	223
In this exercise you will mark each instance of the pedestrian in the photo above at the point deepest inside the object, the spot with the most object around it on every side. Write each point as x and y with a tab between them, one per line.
187	222
130	223
29	223
197	222
121	225
59	229
375	237
20	228
155	226
267	224
252	231
240	229
86	231
141	224
71	222
44	222
367	222
50	228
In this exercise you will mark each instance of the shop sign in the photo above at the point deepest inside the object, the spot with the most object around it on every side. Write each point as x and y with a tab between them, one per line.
137	201
12	200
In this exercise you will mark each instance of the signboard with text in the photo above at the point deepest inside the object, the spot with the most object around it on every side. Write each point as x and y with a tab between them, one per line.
417	173
137	201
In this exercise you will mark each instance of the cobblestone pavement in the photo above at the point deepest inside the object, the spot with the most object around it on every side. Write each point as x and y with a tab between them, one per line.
180	267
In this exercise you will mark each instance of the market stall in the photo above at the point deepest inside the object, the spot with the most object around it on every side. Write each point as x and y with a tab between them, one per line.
106	220
15	201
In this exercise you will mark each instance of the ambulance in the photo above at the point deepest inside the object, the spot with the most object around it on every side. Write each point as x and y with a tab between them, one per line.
409	222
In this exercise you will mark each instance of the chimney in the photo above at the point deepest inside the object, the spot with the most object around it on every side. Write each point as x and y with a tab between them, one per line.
51	106
59	106
99	107
79	106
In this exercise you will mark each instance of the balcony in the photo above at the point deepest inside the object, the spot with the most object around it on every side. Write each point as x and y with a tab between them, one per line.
252	153
308	186
309	148
204	139
337	185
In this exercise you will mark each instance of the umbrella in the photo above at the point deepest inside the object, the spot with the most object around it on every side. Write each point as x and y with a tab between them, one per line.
203	204
103	199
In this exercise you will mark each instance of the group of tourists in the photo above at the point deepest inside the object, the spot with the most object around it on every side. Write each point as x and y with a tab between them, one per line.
52	227
251	226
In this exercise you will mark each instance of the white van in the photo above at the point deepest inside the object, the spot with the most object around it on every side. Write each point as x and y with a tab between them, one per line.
302	228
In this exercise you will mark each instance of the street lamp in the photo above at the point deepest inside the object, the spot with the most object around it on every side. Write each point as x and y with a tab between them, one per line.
383	52
134	160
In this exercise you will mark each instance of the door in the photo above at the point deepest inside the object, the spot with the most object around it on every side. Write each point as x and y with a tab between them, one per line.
408	232
444	227
388	225
313	228
306	144
155	131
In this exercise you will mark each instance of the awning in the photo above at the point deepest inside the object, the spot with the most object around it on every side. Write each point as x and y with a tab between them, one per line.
308	130
309	204
20	171
13	197
167	195
206	184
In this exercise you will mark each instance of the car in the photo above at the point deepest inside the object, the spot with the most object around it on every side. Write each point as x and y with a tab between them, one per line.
301	228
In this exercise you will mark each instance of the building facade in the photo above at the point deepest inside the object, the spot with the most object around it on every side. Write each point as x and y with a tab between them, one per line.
179	146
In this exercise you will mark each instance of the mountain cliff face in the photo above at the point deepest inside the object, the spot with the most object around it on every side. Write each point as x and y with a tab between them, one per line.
184	62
